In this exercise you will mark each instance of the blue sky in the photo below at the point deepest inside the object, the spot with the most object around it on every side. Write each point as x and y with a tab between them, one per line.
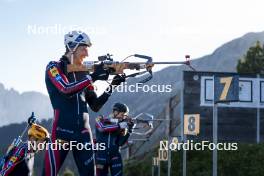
164	29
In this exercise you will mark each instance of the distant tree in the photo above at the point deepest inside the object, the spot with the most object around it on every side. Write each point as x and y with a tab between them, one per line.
253	61
68	172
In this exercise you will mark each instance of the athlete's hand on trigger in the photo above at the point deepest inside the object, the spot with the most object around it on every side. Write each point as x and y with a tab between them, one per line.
118	79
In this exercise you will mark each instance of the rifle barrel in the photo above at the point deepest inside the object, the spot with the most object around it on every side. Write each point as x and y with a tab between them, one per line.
183	62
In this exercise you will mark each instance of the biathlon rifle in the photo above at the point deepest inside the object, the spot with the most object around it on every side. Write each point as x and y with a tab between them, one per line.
116	67
143	123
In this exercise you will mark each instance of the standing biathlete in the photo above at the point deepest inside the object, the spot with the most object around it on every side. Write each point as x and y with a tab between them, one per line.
114	132
69	94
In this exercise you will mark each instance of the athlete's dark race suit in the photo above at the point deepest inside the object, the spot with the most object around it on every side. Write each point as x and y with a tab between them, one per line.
69	94
110	134
18	162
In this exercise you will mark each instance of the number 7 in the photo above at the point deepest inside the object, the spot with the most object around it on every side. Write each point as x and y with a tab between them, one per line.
227	81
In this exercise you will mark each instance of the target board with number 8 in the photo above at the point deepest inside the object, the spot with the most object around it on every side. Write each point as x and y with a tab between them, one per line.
191	124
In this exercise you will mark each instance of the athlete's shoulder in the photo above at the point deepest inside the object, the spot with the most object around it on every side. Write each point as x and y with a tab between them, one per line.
52	64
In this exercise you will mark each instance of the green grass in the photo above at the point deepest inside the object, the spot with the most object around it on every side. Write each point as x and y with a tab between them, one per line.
248	160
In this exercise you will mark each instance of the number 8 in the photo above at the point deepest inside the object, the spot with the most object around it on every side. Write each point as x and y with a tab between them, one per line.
191	125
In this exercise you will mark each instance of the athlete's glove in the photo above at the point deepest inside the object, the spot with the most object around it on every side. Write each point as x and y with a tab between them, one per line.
130	126
118	79
100	73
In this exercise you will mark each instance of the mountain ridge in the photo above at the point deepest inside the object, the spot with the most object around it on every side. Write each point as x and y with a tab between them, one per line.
222	59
